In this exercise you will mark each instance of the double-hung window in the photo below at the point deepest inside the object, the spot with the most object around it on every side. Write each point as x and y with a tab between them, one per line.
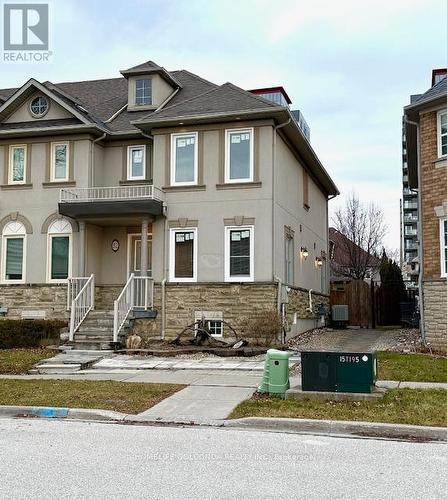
136	163
59	251
143	92
183	255
239	253
184	159
239	155
443	240
17	164
13	253
442	133
59	162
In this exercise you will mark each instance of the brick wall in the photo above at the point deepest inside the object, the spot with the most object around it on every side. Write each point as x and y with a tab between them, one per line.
434	192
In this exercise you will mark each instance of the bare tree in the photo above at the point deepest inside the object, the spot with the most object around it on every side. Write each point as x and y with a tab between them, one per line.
362	230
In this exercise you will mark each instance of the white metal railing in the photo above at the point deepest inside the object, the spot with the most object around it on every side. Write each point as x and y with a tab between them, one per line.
81	305
113	193
74	287
138	293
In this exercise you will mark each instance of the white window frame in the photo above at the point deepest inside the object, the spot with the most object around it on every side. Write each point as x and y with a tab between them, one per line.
443	245
130	177
11	164
53	162
185	135
56	234
152	97
290	280
172	233
439	135
228	133
5	237
239	279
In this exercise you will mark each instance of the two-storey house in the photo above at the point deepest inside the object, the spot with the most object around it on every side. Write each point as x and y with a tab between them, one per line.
426	136
159	190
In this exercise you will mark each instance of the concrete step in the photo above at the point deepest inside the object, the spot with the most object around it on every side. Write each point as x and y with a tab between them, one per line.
102	314
50	368
90	328
92	345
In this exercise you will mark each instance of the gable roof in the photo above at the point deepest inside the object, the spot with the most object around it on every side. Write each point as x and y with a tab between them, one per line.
150	68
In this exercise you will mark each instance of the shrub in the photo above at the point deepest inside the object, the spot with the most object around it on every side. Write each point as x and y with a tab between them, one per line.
29	333
263	328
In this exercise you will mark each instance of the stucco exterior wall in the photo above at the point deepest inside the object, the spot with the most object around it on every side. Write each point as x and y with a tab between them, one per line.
310	226
22	113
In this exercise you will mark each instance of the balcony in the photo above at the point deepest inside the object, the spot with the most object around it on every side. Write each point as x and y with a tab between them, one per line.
410	232
410	205
109	201
410	218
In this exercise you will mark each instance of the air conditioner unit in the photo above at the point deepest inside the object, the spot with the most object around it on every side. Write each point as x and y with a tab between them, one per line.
340	313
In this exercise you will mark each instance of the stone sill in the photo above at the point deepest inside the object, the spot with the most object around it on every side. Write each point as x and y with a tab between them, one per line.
32	285
55	184
179	189
142	182
11	187
440	163
239	185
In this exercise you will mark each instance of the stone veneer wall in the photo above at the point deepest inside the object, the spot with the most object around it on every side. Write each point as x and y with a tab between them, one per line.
435	299
49	298
235	301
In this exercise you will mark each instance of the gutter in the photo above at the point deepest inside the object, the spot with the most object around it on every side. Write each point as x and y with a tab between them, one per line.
420	232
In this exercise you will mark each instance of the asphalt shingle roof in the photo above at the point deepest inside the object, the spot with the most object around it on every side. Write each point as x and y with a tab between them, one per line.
434	92
226	98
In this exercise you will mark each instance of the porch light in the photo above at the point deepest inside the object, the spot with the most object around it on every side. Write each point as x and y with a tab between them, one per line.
304	253
318	262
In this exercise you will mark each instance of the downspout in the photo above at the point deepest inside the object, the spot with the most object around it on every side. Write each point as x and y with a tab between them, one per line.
164	280
420	232
275	129
280	310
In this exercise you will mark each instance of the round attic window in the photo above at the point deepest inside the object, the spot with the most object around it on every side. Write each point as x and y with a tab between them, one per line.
39	106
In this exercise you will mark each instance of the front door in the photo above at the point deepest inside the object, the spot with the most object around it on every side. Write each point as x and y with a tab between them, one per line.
134	254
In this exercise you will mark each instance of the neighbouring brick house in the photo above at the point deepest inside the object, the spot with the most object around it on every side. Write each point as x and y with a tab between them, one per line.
426	136
159	190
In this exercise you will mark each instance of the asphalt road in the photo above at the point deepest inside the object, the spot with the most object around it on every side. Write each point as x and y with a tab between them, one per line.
76	460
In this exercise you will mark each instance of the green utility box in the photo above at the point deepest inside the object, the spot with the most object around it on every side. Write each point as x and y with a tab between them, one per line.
338	371
275	379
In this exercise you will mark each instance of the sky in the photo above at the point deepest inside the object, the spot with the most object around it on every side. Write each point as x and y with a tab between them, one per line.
349	66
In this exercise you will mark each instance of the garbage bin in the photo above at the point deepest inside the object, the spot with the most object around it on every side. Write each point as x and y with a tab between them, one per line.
275	379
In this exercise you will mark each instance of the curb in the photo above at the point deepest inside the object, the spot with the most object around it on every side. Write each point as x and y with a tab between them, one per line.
55	412
341	428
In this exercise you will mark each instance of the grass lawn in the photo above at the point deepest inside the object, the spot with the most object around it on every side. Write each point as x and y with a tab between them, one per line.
411	367
18	361
127	397
403	406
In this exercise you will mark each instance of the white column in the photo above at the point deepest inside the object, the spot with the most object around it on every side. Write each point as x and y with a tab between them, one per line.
144	263
81	248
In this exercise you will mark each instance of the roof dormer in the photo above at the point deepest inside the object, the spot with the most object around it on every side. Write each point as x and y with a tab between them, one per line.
149	86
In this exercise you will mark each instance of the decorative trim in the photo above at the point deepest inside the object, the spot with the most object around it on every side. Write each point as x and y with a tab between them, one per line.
8	187
54	217
239	185
57	184
175	189
168	159
221	156
182	222
210	127
15	216
256	154
239	220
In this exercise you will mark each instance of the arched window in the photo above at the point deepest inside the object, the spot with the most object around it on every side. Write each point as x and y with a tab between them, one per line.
14	252
59	251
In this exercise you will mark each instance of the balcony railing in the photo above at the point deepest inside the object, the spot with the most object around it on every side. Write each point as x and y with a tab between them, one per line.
410	205
114	193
